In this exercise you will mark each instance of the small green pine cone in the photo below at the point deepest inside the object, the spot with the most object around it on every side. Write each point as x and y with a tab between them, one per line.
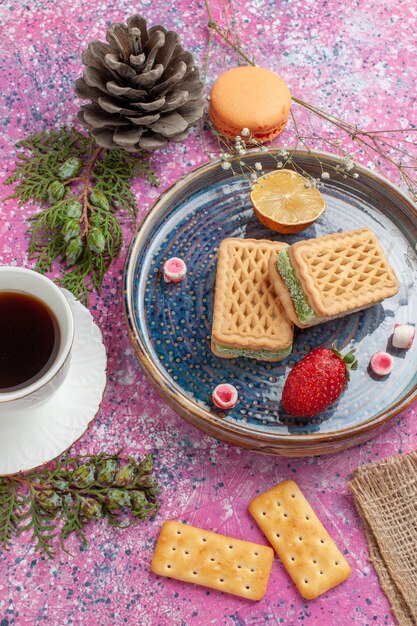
106	471
95	240
83	476
48	500
139	502
125	475
70	168
67	499
147	481
116	499
56	191
74	209
90	508
71	229
98	199
61	485
146	464
74	249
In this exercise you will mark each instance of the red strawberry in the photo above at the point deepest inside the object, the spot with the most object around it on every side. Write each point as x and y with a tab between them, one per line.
317	381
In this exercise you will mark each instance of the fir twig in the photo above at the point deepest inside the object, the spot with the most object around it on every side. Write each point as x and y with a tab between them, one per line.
40	522
67	494
82	187
11	504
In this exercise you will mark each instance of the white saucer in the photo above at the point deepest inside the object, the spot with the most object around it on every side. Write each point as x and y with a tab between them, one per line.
29	438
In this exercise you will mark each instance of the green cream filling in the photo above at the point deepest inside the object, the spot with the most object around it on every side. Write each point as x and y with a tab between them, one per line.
256	354
302	308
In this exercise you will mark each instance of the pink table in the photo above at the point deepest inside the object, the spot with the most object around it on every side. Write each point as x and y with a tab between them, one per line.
354	58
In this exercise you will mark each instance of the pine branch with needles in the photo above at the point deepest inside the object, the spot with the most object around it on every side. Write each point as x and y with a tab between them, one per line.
83	189
66	495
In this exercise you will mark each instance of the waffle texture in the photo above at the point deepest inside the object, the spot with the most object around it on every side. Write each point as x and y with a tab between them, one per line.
339	274
247	315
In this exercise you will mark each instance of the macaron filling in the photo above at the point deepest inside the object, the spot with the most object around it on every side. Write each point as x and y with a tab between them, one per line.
257	134
302	308
255	354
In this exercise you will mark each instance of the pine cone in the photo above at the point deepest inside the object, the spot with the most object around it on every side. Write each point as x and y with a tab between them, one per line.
144	87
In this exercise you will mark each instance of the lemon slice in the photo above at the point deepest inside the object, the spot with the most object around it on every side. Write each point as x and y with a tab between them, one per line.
283	201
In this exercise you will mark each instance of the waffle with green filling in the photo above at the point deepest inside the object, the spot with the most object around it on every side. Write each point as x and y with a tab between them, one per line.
320	279
248	319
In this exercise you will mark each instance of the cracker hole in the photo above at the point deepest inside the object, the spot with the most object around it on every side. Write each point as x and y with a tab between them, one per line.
321	540
174	548
251	569
307	518
212	559
314	561
285	514
278	503
321	572
277	535
231	547
221	580
204	539
292	559
300	538
247	587
186	552
169	566
306	581
178	532
256	553
336	562
293	495
263	513
239	567
195	573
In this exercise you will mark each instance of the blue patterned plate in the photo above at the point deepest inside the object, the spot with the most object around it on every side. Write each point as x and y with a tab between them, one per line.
170	325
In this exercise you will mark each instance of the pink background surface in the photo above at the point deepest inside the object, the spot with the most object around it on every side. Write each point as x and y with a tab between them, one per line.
354	58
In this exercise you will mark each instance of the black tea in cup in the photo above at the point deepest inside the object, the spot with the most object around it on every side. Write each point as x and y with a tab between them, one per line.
29	340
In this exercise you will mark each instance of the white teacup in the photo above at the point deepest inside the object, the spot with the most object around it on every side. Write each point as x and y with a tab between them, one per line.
19	279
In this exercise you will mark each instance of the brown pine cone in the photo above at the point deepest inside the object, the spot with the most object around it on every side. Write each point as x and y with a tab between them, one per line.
144	88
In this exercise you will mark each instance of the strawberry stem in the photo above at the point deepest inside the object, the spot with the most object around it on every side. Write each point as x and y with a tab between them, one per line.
348	359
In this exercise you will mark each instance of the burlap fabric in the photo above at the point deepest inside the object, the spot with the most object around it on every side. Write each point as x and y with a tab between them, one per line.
386	497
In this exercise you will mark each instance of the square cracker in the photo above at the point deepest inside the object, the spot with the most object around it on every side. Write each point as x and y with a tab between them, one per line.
307	551
206	558
247	315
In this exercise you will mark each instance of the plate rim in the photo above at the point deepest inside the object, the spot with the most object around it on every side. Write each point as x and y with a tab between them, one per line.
163	384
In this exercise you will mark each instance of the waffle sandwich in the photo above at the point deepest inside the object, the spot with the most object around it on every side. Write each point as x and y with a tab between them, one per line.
320	279
248	319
